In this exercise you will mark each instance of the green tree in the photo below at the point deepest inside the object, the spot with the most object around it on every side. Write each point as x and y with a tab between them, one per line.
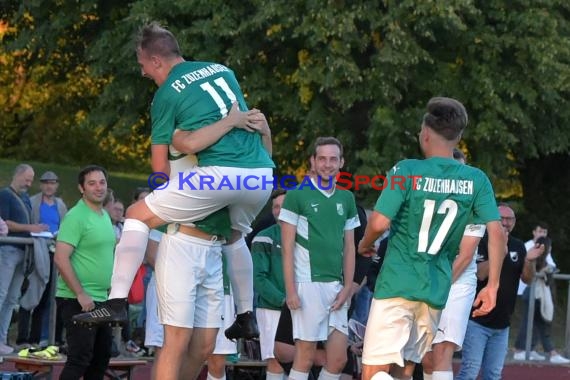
49	90
362	71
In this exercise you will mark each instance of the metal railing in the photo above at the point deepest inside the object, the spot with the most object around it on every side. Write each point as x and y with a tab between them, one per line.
530	315
52	305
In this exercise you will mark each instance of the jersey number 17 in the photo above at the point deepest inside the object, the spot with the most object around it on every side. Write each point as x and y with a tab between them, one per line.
447	207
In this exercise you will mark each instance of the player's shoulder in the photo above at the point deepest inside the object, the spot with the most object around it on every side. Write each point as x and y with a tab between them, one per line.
345	195
473	169
343	192
77	213
6	194
476	174
218	67
406	165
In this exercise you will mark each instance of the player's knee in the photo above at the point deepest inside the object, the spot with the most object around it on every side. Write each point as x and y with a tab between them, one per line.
140	212
336	363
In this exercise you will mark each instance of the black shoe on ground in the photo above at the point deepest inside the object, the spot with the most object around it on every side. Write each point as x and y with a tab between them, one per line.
244	327
112	312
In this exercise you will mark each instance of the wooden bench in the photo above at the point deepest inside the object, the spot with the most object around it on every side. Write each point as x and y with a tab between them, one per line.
118	369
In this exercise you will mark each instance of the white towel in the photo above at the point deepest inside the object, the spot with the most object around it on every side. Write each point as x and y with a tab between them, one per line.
542	293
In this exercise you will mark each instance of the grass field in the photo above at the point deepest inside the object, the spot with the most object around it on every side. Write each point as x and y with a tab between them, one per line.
122	184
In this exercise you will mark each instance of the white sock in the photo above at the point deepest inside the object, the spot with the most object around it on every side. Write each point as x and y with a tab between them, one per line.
428	376
211	377
441	375
274	376
296	375
382	376
240	272
129	255
326	375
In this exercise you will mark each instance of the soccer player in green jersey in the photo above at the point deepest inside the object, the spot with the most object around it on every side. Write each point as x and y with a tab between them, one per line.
194	111
317	234
426	204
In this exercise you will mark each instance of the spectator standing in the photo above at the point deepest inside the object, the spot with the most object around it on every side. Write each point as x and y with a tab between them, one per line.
49	209
543	310
540	230
84	256
15	209
487	337
117	213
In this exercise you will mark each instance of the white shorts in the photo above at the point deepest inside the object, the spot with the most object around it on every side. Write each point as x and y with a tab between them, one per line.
224	346
267	320
200	191
154	331
314	321
189	281
398	330
454	317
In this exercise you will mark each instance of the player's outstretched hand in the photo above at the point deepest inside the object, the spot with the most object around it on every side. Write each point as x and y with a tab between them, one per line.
485	301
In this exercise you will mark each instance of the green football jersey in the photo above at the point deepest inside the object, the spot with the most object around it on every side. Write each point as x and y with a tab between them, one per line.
217	223
197	94
321	219
429	203
268	281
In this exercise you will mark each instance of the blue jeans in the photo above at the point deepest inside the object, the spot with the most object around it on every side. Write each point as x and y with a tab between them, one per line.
483	348
362	301
11	279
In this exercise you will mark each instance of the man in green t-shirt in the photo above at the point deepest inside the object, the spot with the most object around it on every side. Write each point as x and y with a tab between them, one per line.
84	258
426	204
190	112
317	232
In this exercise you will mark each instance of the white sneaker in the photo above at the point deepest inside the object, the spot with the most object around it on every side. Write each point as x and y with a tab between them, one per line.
5	350
533	356
559	359
519	355
536	356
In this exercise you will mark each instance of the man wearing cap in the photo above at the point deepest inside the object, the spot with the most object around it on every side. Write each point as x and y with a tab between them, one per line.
49	210
46	207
